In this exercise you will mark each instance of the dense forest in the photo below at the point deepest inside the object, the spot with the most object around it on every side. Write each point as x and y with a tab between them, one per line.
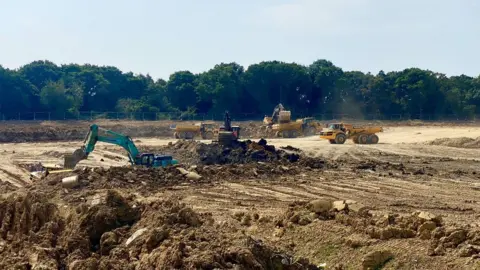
320	88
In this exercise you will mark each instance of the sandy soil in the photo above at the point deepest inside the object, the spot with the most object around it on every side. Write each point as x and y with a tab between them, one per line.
400	175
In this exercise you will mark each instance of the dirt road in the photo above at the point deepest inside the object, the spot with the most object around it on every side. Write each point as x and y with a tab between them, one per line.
398	176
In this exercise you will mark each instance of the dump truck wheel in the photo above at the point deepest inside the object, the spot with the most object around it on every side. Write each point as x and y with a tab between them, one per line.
332	141
293	134
208	135
189	135
373	139
340	138
310	131
363	139
285	134
176	135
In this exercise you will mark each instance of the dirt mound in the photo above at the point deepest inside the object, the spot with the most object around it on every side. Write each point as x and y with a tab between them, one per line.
24	133
29	229
6	187
423	225
461	142
252	130
116	233
243	152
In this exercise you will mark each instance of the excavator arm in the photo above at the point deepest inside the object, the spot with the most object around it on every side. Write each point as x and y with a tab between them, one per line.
91	140
276	113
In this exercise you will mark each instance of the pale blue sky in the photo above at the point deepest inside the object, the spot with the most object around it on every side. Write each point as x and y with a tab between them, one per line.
160	37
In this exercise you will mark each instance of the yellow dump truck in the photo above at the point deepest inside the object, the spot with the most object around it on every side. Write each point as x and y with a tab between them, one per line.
281	124
206	131
338	133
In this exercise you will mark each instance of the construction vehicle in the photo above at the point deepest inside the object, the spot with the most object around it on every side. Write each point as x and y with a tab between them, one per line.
227	134
206	131
135	157
281	125
338	133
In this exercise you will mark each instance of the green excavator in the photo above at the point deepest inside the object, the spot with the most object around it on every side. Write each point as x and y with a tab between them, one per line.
134	155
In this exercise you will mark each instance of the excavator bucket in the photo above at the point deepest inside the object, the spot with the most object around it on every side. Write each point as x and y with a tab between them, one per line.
71	160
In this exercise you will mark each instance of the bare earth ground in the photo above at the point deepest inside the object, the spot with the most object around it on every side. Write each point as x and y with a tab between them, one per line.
400	175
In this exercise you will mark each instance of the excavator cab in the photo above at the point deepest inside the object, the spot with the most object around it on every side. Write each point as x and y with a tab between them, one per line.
163	161
147	160
152	160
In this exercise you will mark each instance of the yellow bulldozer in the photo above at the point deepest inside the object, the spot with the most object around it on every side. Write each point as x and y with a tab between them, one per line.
281	124
206	131
338	133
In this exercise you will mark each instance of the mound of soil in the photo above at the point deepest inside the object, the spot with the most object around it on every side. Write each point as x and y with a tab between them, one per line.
461	142
116	233
6	187
243	152
25	133
422	225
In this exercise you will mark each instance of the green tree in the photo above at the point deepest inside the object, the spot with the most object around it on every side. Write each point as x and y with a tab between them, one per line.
270	83
39	73
181	90
17	94
220	88
326	95
354	93
320	87
129	105
60	99
418	91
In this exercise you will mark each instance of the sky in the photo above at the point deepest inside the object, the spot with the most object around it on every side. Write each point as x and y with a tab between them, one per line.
160	37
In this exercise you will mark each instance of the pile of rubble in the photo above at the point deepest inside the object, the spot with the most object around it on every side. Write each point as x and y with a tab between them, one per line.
119	233
241	152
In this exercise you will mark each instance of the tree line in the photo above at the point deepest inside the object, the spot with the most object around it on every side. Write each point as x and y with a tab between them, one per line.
320	88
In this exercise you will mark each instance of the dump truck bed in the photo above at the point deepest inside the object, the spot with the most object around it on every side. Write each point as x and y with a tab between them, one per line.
287	126
365	129
187	128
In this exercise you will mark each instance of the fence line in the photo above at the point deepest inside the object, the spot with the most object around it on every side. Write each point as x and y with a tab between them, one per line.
175	116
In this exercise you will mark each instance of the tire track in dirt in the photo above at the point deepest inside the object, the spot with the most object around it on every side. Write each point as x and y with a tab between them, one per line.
12	178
